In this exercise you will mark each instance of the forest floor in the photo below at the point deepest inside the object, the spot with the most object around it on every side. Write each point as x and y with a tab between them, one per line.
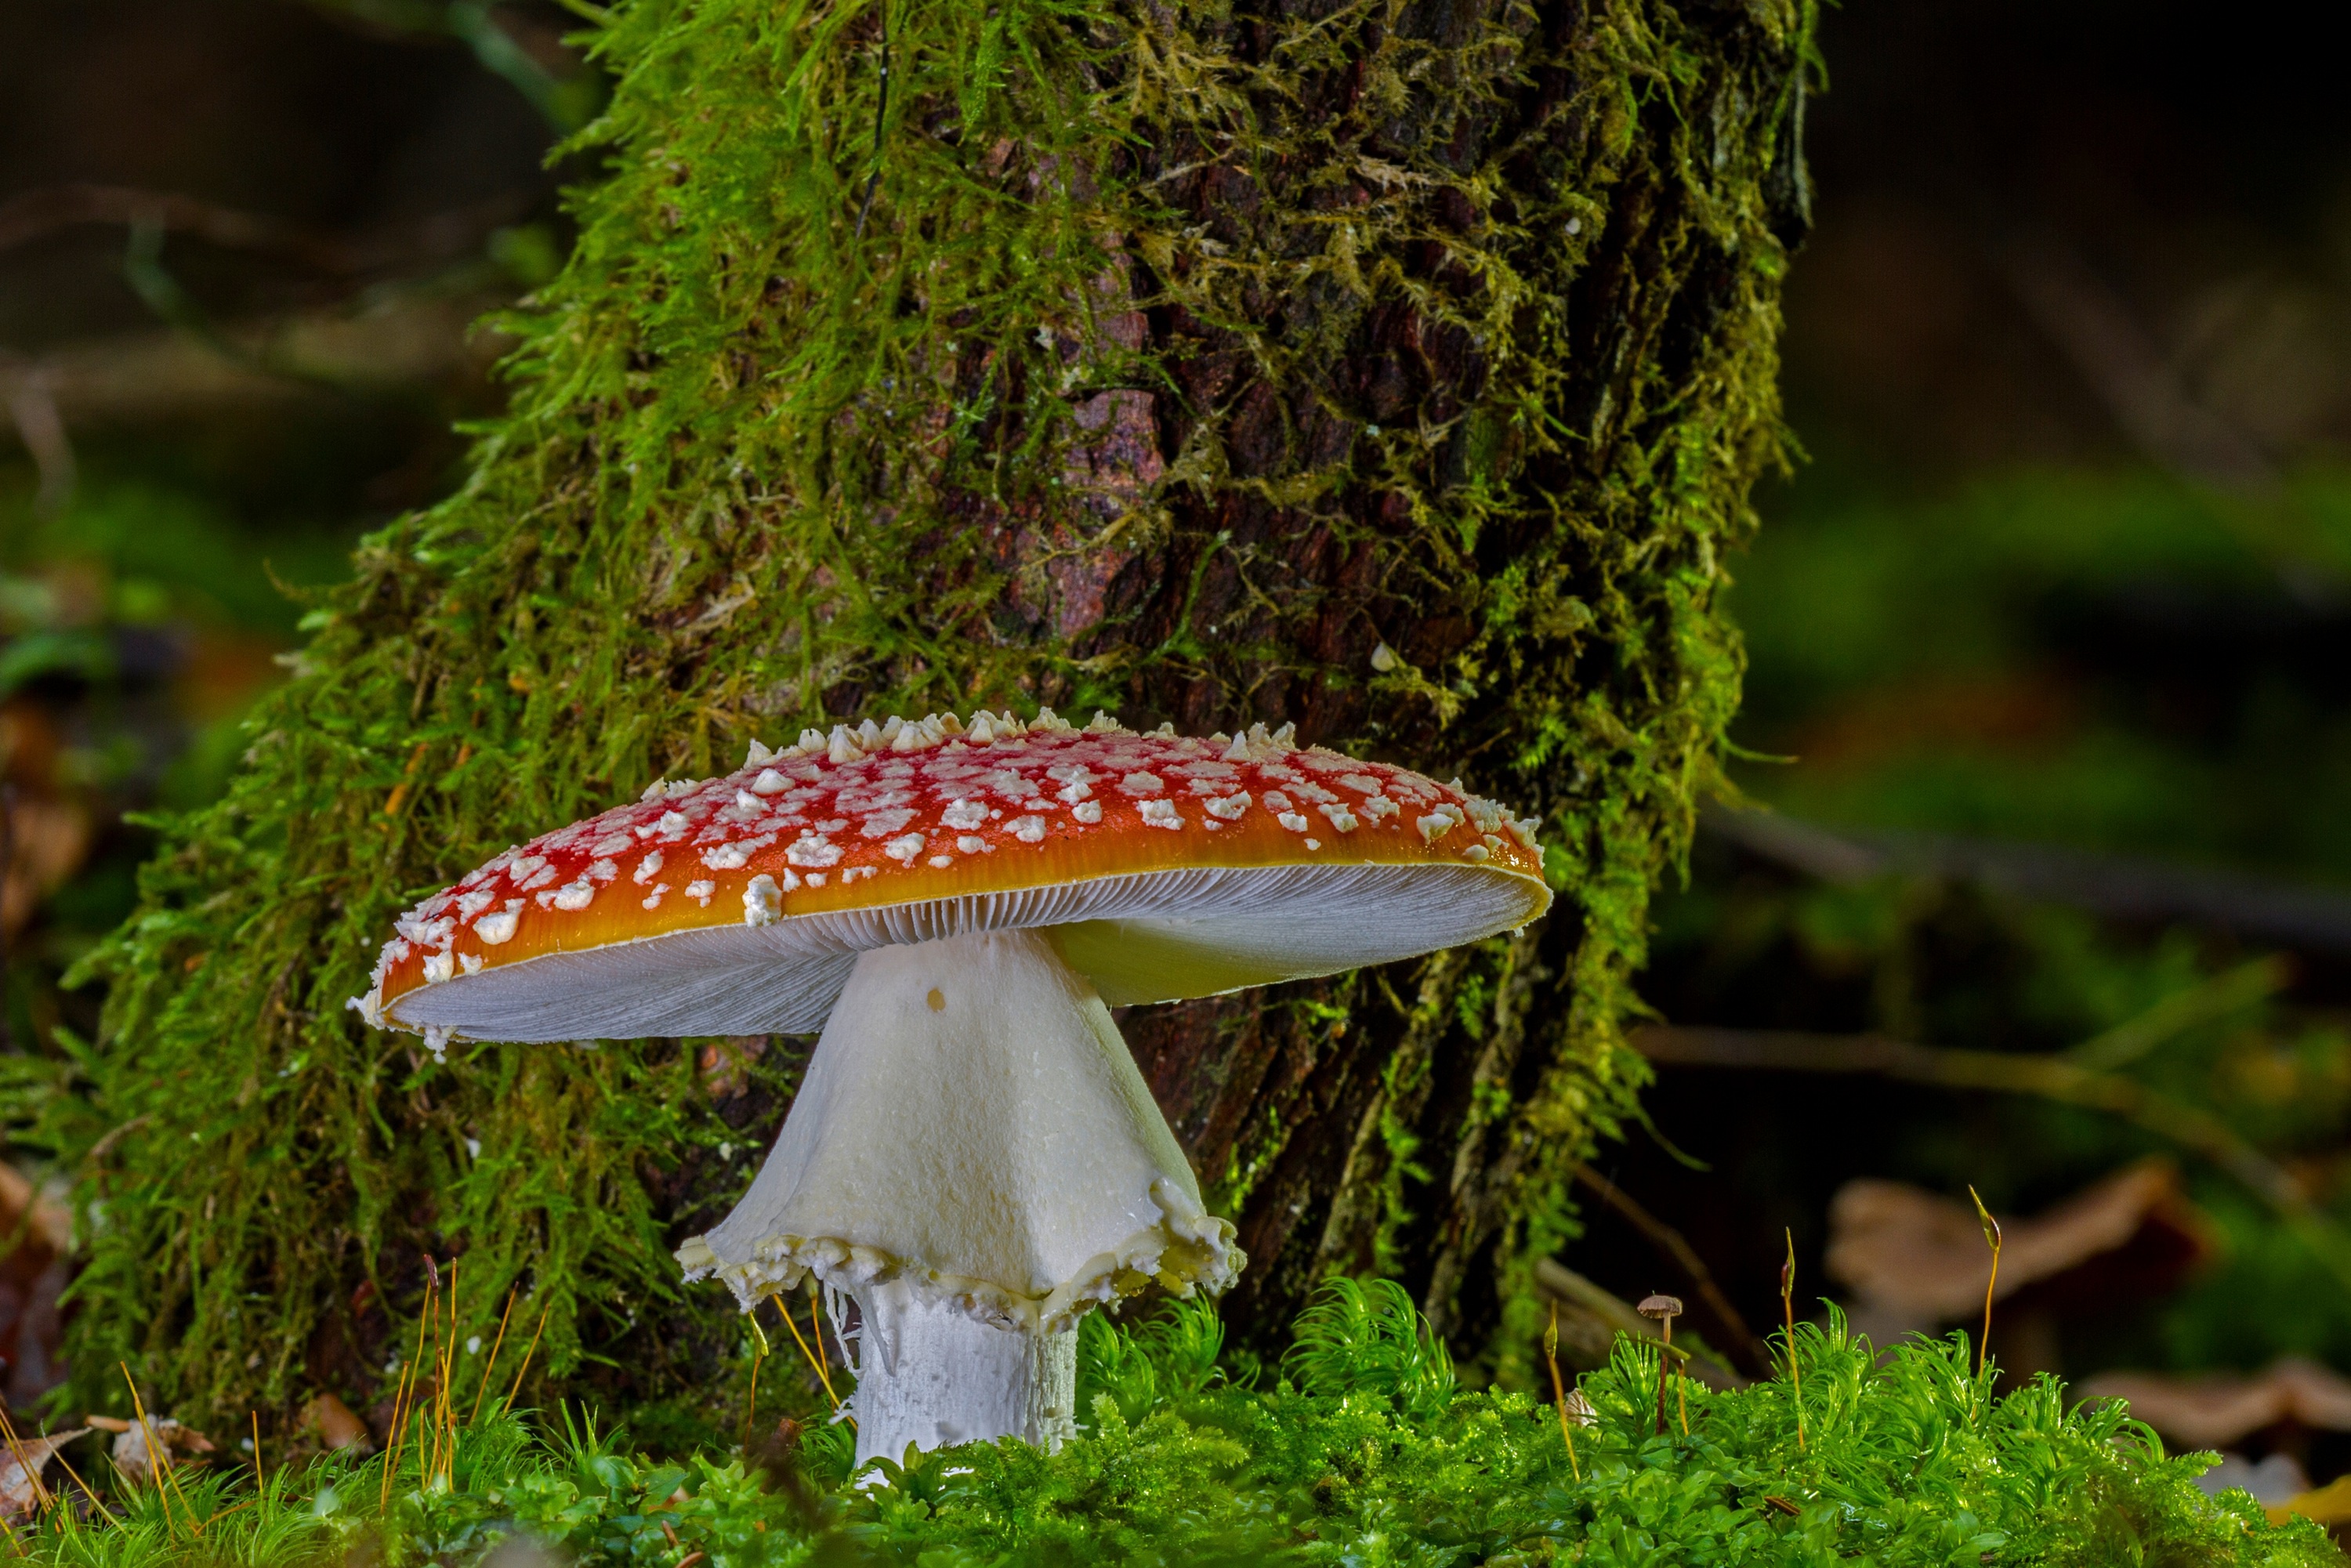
1363	1450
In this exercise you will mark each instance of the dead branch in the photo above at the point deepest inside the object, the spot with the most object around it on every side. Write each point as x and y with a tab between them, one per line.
2053	1078
2120	887
2102	337
1738	1341
144	377
52	209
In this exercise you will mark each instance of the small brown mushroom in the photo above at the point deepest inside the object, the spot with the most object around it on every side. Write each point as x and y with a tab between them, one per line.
1662	1310
1590	1319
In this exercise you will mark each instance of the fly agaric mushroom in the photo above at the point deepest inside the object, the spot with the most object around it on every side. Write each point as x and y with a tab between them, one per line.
972	1156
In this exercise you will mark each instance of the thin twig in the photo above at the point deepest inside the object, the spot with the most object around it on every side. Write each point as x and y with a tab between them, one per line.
2092	325
37	214
115	1134
1671	1242
2124	887
2048	1077
240	1507
408	1382
444	1401
76	1476
391	1453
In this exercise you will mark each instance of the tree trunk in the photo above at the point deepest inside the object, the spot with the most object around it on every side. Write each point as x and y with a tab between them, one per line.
1396	370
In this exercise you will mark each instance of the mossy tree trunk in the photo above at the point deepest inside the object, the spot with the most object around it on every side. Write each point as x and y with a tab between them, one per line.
1398	369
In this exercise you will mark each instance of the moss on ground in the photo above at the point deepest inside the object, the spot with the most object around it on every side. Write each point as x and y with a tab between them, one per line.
1364	1453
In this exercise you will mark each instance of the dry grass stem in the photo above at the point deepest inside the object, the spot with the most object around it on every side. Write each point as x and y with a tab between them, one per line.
524	1370
408	1384
23	1460
1559	1391
1788	1312
1992	1240
158	1459
492	1365
814	1360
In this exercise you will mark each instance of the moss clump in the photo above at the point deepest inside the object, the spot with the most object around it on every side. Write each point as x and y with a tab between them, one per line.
1367	1453
1397	370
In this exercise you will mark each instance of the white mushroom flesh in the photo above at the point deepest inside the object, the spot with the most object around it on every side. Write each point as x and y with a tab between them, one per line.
972	1140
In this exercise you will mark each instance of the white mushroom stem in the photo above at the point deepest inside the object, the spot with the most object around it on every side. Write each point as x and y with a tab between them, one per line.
974	1157
928	1374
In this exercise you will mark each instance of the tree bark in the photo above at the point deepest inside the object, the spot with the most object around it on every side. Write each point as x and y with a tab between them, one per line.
1396	370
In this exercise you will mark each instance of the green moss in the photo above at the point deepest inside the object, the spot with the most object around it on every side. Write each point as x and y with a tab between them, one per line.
1367	1453
1183	355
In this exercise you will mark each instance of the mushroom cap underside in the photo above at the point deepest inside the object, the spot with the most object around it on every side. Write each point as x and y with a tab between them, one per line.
1169	867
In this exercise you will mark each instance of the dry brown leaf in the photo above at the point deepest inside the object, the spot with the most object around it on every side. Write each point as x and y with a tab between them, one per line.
2215	1412
46	840
36	1231
1922	1257
331	1422
133	1459
21	1464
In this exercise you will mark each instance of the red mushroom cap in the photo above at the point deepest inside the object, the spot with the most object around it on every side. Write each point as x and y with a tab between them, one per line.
1172	867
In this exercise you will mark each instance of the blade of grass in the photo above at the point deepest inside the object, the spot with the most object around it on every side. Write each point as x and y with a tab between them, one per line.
1992	1240
1788	1311
445	1432
751	1406
492	1365
813	1359
157	1460
391	1437
524	1370
101	1508
408	1383
1559	1391
23	1461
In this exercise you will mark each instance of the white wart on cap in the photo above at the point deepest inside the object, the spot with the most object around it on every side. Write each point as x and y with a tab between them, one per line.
1173	867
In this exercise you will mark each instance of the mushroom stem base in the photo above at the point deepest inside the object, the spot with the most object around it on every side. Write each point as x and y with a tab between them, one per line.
931	1375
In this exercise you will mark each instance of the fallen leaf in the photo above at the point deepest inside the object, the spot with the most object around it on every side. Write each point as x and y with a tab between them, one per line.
1920	1258
2218	1411
133	1459
21	1464
330	1421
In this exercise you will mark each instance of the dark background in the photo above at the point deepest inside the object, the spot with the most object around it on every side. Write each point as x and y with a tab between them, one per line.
2051	626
